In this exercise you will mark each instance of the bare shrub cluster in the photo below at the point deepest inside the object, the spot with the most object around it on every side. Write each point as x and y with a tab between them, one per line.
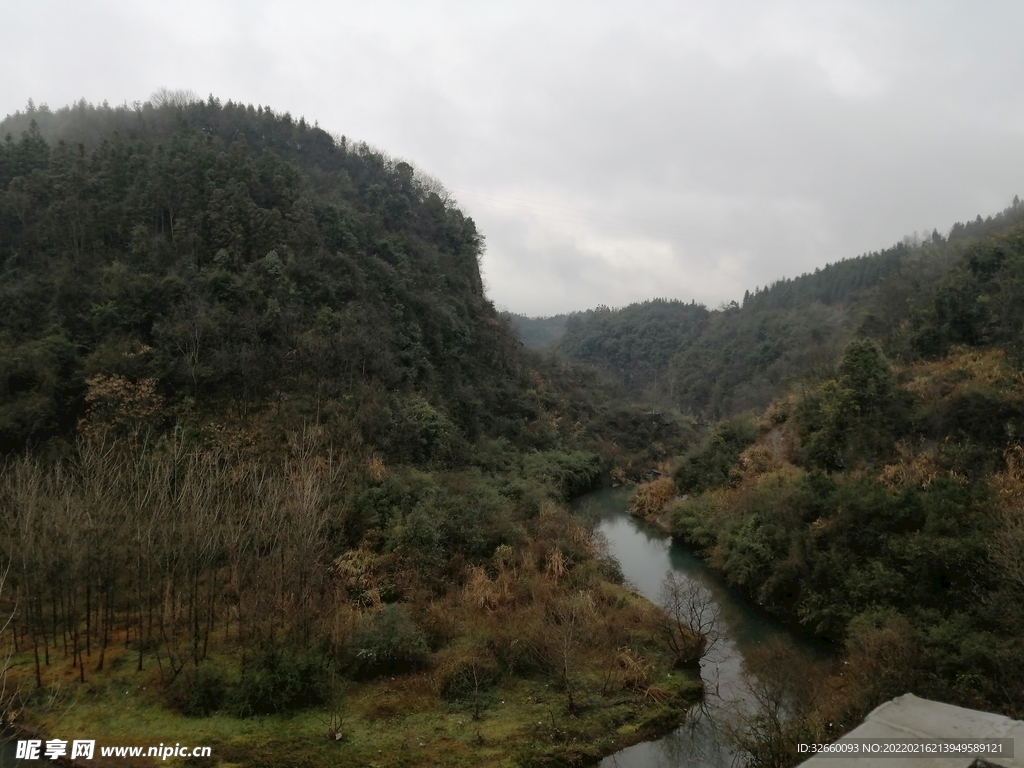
159	547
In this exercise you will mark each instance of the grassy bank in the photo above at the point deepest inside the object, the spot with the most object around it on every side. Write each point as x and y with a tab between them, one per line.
405	720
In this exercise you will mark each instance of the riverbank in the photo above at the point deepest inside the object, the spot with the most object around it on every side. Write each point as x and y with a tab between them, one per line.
646	553
394	723
619	698
652	501
663	522
660	521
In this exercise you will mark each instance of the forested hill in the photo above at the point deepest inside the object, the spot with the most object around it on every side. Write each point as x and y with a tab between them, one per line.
268	447
712	363
636	343
230	259
880	504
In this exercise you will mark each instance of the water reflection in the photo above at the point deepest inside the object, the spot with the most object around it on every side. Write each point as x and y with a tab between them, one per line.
646	555
700	741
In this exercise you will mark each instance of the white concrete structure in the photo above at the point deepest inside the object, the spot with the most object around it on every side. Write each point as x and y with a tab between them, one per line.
908	717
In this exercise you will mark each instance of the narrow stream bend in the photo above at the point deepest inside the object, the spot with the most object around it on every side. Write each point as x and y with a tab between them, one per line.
646	554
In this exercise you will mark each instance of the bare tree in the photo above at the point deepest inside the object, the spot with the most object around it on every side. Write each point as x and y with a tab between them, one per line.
6	696
570	622
158	542
173	97
335	719
691	623
767	719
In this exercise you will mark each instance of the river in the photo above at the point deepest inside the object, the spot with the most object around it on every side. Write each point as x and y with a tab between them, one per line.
646	554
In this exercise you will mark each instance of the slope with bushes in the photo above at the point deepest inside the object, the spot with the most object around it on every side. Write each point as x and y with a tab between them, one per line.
277	468
880	510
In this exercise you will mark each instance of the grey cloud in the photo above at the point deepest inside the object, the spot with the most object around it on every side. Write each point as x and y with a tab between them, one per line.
712	147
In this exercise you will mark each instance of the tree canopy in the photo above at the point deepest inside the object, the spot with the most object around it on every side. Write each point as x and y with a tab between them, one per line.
242	261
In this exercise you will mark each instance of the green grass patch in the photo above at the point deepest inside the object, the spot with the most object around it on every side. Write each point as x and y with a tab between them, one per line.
398	721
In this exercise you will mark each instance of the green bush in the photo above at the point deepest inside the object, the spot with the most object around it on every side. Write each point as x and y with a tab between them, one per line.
710	465
693	521
498	455
278	682
422	433
388	642
198	692
566	473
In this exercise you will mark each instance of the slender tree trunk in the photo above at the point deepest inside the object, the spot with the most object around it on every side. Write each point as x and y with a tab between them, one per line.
63	633
42	629
211	592
88	618
35	652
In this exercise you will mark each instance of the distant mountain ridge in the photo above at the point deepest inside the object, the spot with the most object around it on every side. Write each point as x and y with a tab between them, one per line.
713	363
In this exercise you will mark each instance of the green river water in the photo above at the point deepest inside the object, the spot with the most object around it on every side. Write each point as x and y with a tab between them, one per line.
646	554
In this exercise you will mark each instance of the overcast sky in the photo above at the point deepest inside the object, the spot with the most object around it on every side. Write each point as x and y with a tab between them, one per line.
609	152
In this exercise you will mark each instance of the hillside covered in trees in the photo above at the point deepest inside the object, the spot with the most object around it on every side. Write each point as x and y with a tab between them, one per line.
714	363
879	504
235	258
269	451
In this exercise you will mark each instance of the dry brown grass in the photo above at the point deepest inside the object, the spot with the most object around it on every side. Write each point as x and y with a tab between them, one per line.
556	566
634	670
650	499
960	371
441	619
756	461
777	412
375	468
1009	483
657	694
1007	543
912	468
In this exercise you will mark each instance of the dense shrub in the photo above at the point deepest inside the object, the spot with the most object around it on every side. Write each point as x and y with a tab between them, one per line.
388	642
198	691
694	522
469	679
566	473
422	433
277	682
710	464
